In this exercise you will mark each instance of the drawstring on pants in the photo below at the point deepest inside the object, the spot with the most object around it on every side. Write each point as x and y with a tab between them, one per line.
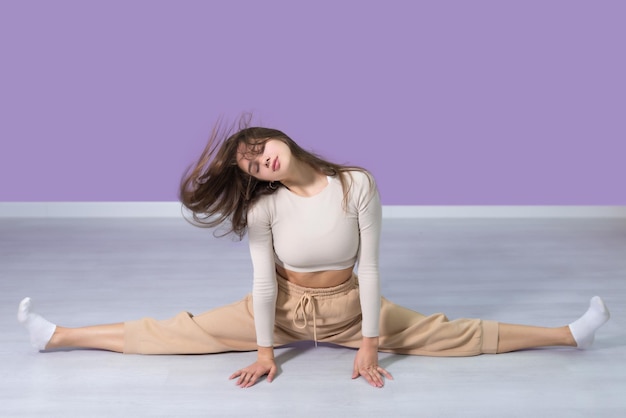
305	305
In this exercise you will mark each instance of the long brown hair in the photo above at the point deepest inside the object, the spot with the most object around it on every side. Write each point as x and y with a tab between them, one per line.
217	192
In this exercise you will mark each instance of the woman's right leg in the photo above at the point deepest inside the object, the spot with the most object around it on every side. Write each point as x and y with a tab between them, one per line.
227	328
102	337
45	335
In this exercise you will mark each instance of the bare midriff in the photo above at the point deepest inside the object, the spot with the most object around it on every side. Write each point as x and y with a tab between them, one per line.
316	279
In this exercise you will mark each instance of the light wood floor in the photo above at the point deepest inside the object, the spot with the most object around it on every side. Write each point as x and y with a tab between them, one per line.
540	272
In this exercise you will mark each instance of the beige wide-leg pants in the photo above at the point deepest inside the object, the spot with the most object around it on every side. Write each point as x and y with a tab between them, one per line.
330	315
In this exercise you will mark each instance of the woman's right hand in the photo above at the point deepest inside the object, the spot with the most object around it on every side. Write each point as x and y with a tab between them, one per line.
264	365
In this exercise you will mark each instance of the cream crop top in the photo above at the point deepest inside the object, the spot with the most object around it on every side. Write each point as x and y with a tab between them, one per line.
315	233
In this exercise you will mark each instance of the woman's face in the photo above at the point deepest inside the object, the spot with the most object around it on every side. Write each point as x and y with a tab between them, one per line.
266	162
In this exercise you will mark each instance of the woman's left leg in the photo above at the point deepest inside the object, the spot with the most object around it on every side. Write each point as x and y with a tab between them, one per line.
409	332
404	331
512	337
579	333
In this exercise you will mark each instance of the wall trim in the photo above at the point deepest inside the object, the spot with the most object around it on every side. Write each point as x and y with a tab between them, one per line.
495	211
173	210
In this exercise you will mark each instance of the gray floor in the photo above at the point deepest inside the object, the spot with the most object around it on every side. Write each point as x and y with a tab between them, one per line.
540	272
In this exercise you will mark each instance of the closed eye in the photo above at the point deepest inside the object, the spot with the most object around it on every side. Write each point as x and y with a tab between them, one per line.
253	165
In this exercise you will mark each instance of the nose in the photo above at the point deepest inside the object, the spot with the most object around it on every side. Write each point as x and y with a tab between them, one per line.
267	162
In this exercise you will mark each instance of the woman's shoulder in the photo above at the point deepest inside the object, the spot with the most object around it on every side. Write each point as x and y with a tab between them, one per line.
360	178
261	208
361	186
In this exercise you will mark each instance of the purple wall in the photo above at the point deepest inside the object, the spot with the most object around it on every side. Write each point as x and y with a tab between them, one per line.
455	102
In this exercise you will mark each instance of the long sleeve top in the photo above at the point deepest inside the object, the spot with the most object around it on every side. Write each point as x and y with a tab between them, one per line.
316	233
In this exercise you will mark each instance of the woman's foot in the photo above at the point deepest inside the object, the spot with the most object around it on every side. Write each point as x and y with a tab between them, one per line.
40	329
584	328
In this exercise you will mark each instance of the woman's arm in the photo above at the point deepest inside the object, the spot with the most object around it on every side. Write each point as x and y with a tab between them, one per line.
369	210
264	291
264	287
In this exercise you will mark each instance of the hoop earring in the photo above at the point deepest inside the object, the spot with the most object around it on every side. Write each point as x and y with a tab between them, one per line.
271	185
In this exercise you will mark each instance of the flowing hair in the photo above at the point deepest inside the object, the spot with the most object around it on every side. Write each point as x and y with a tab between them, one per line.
217	192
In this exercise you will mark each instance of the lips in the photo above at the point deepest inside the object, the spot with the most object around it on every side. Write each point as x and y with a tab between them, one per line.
275	165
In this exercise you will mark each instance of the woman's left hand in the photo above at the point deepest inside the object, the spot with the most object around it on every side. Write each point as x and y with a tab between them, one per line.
366	364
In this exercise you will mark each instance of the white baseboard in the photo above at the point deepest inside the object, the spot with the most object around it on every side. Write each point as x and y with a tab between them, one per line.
173	210
504	211
90	209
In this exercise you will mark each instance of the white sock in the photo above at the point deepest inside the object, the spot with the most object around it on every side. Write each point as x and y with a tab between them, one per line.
584	328
40	329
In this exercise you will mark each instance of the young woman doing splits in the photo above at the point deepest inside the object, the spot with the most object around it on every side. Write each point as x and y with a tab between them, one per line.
313	228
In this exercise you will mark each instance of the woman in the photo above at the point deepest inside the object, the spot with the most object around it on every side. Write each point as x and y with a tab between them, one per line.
311	224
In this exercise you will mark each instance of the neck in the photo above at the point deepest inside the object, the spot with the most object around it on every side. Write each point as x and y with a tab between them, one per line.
305	180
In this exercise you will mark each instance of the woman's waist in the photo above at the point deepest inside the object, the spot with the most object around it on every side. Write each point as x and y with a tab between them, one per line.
318	280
